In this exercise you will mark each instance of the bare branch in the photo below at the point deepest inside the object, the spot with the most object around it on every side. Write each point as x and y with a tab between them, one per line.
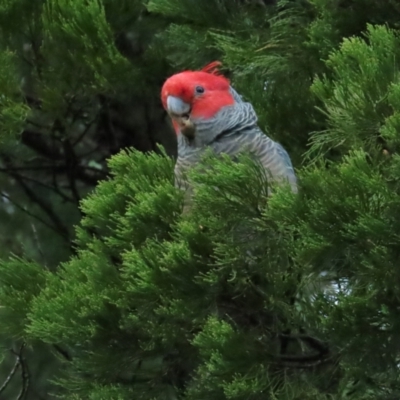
59	168
36	141
71	161
80	172
314	343
25	376
321	353
19	362
39	247
85	131
61	229
62	352
10	375
39	183
304	365
6	196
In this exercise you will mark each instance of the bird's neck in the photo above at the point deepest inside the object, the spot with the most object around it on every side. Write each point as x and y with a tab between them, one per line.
229	122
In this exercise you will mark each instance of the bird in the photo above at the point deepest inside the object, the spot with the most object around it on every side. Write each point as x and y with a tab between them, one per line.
208	113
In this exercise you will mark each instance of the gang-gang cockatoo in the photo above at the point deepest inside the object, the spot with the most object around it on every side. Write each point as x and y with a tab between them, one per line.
208	113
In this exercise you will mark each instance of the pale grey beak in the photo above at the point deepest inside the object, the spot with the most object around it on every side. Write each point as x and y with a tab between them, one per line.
177	107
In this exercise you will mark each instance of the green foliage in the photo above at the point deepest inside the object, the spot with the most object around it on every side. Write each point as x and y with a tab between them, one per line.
159	291
21	281
12	110
88	50
336	19
23	11
201	300
361	99
351	242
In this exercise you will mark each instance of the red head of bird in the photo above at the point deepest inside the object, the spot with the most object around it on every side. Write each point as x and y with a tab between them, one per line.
190	96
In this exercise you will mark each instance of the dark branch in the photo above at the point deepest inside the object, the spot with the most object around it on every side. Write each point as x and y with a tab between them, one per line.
28	212
320	354
37	141
10	375
54	152
71	161
62	352
312	342
61	229
24	374
84	133
60	169
39	183
37	242
303	365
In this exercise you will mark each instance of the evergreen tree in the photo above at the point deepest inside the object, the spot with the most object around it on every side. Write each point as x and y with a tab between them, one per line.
247	296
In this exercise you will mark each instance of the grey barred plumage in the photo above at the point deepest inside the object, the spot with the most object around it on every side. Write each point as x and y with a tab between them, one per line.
231	131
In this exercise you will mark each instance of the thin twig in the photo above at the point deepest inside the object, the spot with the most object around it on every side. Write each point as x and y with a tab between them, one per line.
39	247
299	365
49	187
36	53
92	151
61	229
110	131
62	352
37	125
6	196
24	375
10	375
32	168
70	158
61	168
85	131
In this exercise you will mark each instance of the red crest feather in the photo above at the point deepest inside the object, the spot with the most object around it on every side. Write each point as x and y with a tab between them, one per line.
212	68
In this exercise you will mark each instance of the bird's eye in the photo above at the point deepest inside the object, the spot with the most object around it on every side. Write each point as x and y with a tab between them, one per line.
199	89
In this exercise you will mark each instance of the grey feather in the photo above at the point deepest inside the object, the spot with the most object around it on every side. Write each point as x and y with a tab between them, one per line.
231	131
236	95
